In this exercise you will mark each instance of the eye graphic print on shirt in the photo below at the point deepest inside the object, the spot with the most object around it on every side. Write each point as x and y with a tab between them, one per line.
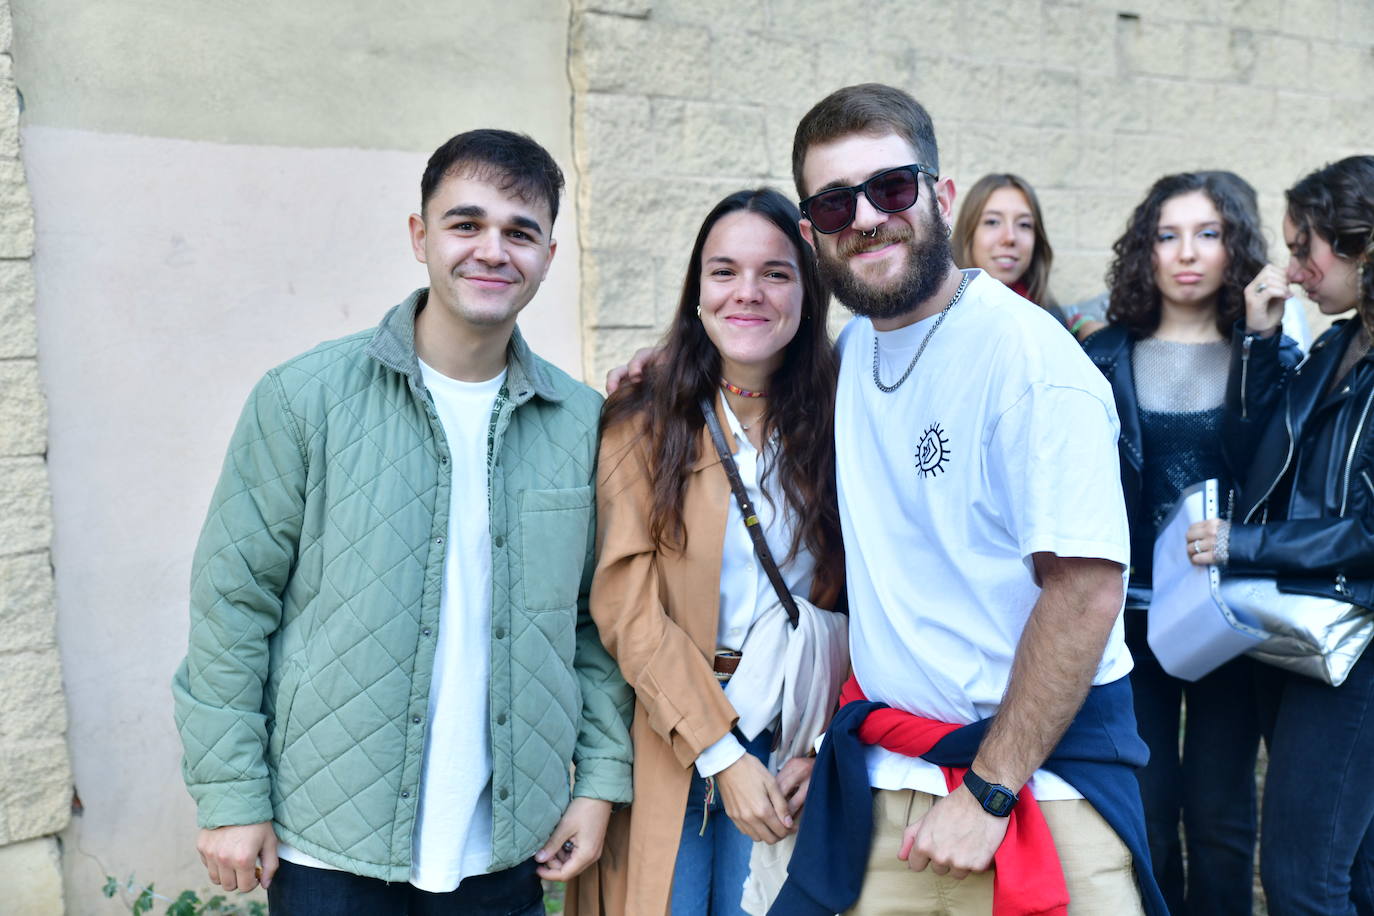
933	451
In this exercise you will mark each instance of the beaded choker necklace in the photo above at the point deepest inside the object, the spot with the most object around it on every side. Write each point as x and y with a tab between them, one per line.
741	392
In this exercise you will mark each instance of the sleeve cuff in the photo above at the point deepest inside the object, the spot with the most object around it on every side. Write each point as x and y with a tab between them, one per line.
604	778
719	755
232	803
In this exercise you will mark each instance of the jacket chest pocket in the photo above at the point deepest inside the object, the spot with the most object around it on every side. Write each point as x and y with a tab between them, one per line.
554	530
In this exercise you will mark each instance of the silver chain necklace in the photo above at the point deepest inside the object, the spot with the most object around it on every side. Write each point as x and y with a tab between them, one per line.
958	294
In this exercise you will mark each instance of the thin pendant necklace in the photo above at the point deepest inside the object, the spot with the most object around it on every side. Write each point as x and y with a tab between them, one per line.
888	389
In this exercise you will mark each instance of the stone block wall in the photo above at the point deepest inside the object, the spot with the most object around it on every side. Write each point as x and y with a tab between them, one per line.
35	780
678	102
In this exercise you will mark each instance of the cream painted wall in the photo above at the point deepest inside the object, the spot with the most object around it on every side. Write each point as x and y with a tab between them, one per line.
216	188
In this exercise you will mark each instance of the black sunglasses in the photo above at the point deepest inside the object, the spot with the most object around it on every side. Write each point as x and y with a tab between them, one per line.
891	191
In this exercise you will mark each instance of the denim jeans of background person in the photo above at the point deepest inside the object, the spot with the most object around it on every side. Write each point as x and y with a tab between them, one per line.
1218	791
383	687
1327	864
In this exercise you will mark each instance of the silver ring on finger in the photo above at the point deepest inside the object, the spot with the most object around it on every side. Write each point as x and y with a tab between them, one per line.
1262	287
1197	547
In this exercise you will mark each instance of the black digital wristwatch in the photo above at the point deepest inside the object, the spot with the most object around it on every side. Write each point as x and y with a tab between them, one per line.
996	800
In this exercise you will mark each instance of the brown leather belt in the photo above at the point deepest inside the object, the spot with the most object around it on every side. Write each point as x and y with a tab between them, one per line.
725	664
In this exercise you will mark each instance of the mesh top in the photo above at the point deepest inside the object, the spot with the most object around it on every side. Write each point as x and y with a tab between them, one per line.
1176	377
1180	388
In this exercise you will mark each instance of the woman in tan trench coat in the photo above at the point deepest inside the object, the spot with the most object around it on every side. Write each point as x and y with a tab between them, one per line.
676	580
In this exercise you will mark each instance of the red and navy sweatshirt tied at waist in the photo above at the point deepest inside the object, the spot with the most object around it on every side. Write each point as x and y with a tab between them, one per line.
1098	755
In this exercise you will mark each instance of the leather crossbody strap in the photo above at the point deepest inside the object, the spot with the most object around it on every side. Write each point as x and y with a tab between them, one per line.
746	511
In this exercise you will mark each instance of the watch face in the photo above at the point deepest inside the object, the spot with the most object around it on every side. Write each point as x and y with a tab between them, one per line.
999	801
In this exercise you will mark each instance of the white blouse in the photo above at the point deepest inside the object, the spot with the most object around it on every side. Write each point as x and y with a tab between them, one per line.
744	587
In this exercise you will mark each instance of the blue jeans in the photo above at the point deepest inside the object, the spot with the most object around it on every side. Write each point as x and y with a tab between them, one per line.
1210	784
301	890
708	878
1317	853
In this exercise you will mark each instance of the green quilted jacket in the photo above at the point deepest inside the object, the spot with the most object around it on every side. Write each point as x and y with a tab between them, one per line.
315	607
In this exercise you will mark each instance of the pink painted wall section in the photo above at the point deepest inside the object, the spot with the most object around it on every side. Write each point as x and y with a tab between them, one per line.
171	274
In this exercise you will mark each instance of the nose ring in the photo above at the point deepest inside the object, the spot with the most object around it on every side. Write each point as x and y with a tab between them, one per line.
870	234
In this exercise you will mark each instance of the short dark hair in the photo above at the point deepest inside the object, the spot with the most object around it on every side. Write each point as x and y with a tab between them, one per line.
1134	300
868	108
513	160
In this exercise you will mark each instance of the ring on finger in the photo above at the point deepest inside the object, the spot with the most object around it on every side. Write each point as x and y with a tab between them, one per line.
1262	287
1197	547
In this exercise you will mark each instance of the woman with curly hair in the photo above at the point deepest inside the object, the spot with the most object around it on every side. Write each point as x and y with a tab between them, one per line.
1305	514
679	591
1001	229
1176	289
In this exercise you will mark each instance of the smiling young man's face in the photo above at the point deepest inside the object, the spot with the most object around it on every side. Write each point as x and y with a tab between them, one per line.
883	264
486	249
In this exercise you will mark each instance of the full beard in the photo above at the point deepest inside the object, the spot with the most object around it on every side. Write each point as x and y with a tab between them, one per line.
928	261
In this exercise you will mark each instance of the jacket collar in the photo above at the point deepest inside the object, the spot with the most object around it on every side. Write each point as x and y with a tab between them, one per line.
1321	362
393	345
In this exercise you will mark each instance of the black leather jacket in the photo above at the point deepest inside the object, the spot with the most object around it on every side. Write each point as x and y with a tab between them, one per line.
1110	351
1305	511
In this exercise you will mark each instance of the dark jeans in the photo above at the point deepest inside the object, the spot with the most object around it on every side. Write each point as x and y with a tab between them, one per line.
1317	854
300	890
1210	784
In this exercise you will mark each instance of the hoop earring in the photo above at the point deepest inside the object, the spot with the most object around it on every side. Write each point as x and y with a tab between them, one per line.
949	231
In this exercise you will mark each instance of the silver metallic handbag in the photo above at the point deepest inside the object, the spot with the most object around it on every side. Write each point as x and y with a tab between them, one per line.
1307	634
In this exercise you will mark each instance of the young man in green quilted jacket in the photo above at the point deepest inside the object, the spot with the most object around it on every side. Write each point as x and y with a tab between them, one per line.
391	665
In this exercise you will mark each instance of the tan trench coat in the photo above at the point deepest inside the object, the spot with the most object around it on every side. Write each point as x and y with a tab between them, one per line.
657	613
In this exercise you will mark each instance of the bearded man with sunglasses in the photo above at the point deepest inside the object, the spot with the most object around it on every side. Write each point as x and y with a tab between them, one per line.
985	583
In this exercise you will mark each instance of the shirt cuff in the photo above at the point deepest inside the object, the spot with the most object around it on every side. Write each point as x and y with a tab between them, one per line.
719	755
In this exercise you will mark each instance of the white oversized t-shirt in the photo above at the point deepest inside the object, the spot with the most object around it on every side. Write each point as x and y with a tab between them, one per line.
1002	443
452	835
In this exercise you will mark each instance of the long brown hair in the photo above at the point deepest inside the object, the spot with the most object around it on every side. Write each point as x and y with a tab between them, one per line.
801	404
1037	275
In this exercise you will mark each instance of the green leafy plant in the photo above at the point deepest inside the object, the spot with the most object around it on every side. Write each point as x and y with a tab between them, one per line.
141	900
